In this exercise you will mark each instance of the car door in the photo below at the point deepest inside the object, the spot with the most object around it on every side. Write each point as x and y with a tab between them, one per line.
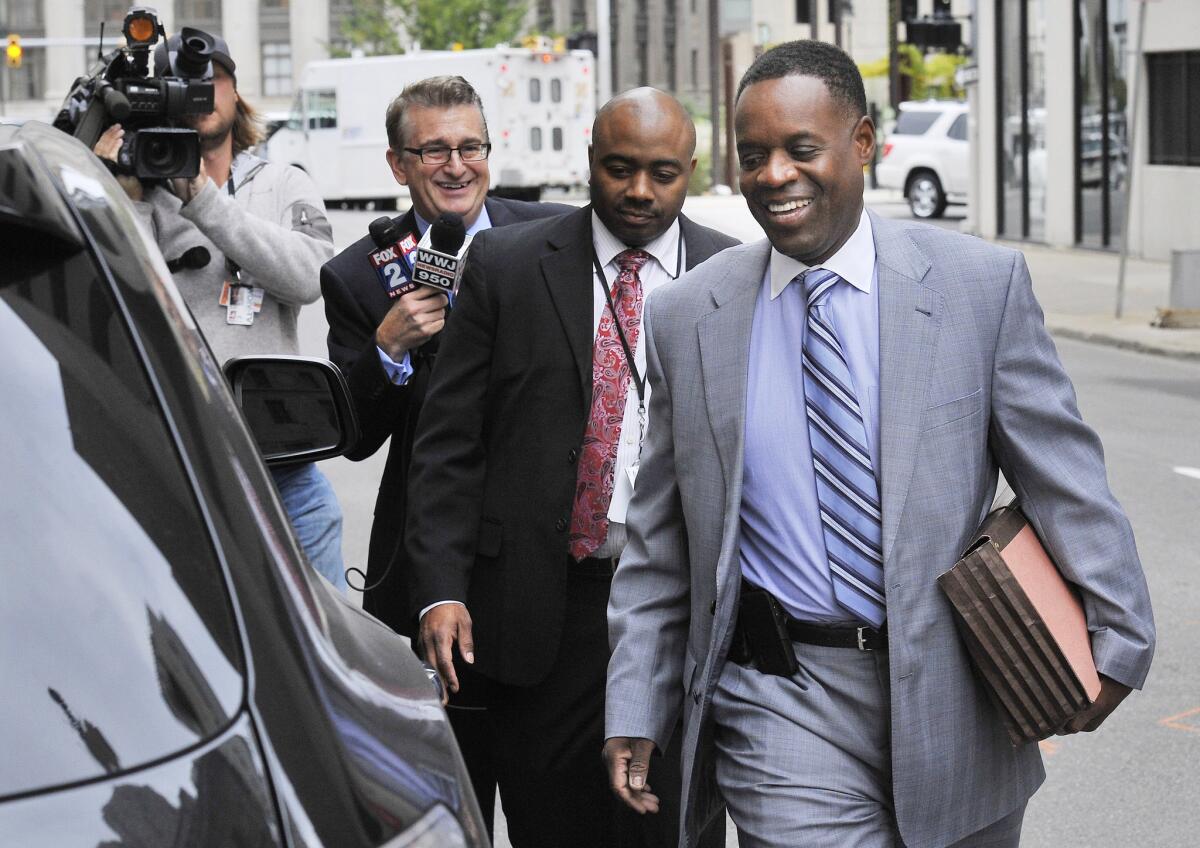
123	718
955	156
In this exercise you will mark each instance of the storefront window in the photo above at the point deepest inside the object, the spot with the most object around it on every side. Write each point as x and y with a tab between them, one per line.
1101	139
1021	42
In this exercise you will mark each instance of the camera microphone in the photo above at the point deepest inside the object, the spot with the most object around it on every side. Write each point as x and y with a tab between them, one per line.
193	259
441	256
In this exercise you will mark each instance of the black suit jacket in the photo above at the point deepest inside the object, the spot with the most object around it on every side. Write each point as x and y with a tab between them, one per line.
355	304
493	473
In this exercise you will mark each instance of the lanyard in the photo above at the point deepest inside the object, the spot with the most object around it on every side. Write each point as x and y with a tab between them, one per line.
235	271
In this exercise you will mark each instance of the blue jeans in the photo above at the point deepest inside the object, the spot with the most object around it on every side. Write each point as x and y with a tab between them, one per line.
313	507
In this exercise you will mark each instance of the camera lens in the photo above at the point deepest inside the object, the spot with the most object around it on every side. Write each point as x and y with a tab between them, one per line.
162	155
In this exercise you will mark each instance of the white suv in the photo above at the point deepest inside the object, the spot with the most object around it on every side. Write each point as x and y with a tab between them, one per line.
926	156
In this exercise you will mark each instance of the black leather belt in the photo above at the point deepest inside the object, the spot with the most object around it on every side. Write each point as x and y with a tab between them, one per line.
838	635
596	566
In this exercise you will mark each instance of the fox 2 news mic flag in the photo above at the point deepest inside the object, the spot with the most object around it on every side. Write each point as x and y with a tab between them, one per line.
392	256
441	255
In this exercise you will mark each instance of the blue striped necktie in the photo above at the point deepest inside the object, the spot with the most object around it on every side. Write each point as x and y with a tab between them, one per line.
847	492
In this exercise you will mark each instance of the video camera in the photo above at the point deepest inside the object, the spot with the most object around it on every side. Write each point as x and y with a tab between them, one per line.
122	88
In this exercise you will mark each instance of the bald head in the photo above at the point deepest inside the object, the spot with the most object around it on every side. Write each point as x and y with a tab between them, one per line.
652	111
642	156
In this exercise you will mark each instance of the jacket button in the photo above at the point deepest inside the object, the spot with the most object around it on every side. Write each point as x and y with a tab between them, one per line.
572	456
560	525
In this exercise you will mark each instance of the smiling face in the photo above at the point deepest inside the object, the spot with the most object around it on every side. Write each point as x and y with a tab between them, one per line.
641	159
801	154
454	186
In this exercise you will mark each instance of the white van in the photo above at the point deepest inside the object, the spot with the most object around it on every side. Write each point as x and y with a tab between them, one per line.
539	107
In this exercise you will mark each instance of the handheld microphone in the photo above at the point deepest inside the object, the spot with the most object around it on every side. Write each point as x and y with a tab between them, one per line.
441	255
192	258
390	258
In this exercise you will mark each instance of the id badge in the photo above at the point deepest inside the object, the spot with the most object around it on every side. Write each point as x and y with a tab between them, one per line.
240	309
622	493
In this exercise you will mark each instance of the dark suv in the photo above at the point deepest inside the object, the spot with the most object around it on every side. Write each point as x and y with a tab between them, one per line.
174	673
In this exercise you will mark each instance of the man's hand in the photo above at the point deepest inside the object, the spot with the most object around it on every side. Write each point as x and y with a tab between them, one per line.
185	189
107	147
628	762
414	318
1111	695
441	627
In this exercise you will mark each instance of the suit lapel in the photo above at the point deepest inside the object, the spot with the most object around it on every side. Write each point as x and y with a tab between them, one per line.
724	336
567	272
910	315
698	246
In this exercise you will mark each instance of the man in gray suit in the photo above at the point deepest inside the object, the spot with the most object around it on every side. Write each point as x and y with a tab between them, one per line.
830	409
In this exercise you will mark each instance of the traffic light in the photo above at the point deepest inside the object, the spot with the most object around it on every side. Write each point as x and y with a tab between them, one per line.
14	50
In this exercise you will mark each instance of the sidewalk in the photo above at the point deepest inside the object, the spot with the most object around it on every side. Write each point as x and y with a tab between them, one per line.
1078	291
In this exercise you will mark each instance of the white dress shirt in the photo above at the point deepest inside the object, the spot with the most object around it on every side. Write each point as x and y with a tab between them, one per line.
667	261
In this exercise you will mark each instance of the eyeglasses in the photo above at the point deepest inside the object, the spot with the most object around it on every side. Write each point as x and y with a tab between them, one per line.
440	155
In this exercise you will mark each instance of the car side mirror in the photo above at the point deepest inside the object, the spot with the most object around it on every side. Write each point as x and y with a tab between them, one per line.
297	407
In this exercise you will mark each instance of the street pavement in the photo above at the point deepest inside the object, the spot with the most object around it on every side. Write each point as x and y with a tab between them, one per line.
1135	782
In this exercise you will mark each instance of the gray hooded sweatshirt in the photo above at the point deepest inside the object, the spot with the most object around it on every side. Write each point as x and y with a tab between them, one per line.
273	226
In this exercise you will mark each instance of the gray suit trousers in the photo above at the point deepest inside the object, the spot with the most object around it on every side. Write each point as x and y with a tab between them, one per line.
806	760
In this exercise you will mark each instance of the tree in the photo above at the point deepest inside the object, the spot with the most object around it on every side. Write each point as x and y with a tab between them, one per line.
438	24
371	27
374	25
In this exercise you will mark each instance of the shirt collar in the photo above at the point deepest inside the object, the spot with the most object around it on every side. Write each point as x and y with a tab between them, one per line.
664	249
483	222
854	262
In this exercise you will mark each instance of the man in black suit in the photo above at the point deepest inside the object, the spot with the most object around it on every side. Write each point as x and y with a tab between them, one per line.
526	454
438	147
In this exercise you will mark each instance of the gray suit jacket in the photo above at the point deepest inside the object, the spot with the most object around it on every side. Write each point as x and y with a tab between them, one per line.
969	382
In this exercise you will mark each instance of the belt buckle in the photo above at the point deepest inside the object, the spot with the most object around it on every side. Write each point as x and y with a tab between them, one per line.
862	645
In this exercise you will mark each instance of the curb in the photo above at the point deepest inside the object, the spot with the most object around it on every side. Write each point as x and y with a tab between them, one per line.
1100	337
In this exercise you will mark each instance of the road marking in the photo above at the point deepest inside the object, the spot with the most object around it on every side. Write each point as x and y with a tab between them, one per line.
1177	722
1184	470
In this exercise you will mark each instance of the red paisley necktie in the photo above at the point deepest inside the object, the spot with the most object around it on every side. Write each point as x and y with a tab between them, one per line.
610	383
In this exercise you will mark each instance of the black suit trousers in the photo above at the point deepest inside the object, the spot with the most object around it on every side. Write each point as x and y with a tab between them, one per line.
545	745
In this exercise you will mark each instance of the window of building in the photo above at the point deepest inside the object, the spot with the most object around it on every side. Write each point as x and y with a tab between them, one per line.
1174	85
28	81
1101	82
535	90
21	15
695	69
1021	84
556	90
803	12
110	12
276	69
195	10
535	138
556	138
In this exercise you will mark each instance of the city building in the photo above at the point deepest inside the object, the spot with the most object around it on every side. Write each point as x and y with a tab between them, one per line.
1070	130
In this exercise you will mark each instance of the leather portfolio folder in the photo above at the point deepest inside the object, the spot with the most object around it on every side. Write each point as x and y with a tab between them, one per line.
1023	626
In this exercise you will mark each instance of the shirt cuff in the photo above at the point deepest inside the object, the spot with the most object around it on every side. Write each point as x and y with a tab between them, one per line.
437	604
397	372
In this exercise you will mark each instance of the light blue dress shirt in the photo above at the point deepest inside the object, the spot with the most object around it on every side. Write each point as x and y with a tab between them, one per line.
398	373
782	547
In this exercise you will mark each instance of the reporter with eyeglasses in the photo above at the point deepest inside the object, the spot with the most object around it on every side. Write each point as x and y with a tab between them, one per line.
437	146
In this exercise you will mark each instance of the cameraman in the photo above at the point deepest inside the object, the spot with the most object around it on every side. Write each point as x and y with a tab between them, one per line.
267	235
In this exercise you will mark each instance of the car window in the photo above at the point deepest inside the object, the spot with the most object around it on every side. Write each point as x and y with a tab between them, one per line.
119	643
958	130
915	123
